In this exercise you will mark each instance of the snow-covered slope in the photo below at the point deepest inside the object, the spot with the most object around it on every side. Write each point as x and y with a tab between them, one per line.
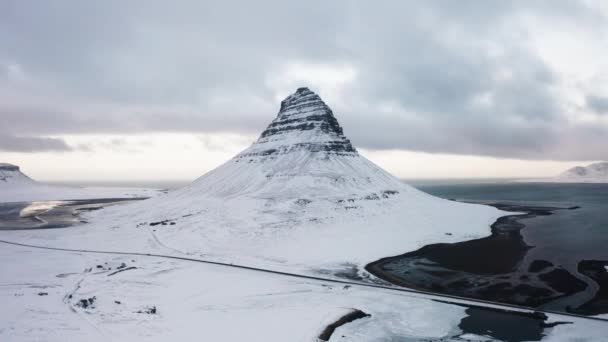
11	175
17	187
300	195
302	156
593	173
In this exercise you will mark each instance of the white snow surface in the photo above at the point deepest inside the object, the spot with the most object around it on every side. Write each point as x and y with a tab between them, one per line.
17	187
40	291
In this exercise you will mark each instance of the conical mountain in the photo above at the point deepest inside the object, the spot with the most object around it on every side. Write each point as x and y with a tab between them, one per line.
302	154
300	196
304	123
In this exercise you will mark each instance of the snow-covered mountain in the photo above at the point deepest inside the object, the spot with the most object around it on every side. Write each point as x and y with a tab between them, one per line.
11	175
593	173
301	158
301	194
15	186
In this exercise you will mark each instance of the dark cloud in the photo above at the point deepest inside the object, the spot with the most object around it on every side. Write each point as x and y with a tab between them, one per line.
434	76
9	143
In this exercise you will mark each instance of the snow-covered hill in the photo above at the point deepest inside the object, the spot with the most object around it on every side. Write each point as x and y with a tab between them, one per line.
11	175
300	195
15	186
593	173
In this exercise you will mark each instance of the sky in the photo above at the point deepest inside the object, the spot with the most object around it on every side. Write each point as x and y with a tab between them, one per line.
148	90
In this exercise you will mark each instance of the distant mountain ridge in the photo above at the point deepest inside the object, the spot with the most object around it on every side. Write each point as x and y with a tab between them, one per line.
15	186
11	174
593	173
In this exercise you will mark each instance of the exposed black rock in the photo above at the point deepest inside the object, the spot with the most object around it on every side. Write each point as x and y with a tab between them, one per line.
389	193
8	167
163	222
303	201
149	310
301	112
86	303
371	197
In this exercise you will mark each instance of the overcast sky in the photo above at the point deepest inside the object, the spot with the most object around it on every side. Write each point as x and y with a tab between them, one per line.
158	89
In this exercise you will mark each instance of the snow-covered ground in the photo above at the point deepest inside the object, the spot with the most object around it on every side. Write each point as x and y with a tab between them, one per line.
300	200
41	301
17	187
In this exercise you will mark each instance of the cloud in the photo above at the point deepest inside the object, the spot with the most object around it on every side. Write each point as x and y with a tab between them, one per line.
10	143
465	77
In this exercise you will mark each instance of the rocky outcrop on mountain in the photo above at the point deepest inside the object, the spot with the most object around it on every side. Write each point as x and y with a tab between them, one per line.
8	167
304	123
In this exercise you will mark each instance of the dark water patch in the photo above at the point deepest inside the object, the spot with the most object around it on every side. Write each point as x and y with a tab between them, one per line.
490	268
538	265
354	315
506	325
564	239
596	270
49	214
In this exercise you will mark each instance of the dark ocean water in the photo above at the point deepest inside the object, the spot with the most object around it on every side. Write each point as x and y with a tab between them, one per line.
564	238
568	235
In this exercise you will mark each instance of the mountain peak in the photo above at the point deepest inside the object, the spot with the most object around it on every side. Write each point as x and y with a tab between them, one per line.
10	173
8	167
304	123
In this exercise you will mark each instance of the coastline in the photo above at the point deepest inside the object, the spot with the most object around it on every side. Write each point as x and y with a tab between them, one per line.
461	269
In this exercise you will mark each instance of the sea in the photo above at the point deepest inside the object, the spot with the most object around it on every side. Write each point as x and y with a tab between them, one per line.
565	238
